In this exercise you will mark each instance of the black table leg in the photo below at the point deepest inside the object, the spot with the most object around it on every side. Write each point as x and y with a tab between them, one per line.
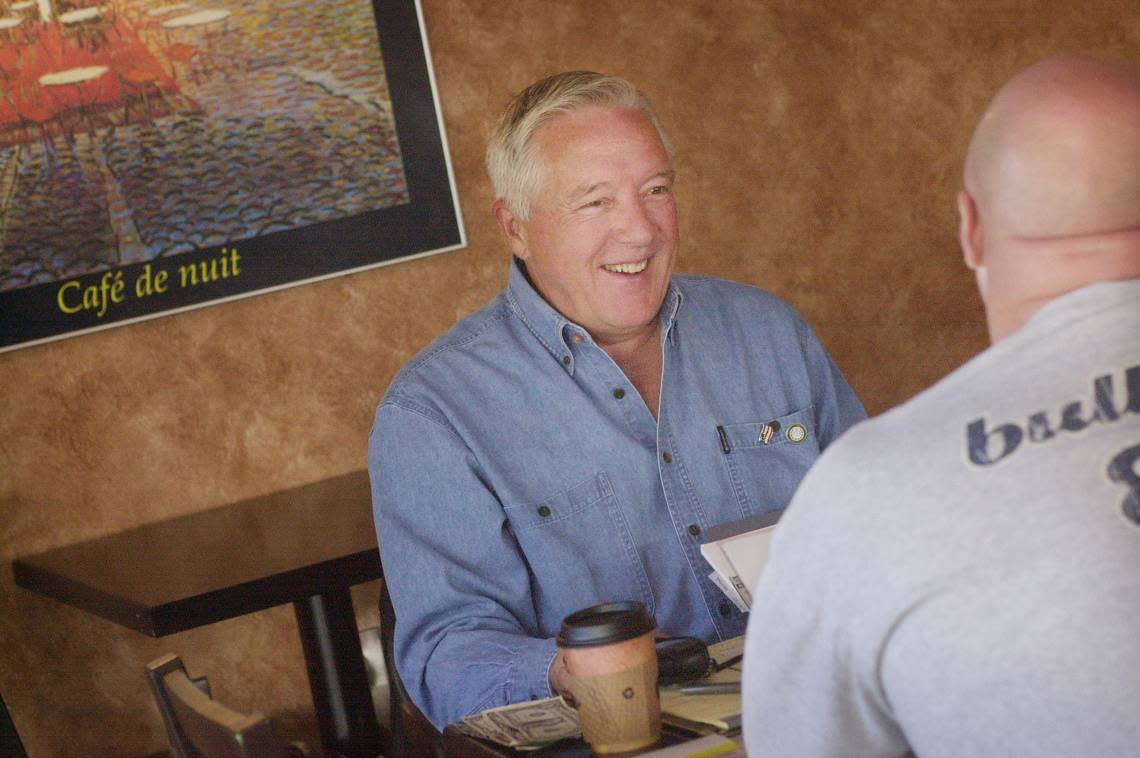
337	675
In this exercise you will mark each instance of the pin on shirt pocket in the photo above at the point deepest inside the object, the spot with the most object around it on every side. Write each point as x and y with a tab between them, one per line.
792	428
767	458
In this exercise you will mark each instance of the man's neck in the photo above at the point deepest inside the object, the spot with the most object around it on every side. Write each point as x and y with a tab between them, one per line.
1036	271
639	358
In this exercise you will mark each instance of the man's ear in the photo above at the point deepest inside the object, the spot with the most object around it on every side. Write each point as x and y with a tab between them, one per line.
970	235
512	227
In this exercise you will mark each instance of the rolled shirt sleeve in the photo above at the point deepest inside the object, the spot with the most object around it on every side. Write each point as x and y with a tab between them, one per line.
465	637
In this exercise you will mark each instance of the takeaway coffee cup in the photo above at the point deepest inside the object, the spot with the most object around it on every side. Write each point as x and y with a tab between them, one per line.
612	661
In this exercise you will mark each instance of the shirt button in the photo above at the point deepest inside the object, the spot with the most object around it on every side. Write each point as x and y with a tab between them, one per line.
666	457
694	529
566	359
725	609
543	511
577	339
619	393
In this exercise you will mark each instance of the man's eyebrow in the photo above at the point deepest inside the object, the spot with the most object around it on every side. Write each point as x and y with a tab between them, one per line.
585	189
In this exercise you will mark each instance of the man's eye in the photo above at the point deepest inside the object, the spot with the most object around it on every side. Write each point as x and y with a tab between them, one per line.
660	189
595	203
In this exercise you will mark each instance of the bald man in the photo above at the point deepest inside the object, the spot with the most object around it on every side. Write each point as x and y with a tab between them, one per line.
961	576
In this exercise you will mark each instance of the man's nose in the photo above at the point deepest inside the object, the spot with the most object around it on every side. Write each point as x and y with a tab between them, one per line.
638	226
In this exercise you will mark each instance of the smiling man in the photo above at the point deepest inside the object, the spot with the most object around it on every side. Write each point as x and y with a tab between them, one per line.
569	443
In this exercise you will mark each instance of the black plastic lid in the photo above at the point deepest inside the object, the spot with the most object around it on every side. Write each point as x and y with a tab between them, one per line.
605	623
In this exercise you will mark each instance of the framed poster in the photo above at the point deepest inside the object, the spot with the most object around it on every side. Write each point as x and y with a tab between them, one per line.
161	155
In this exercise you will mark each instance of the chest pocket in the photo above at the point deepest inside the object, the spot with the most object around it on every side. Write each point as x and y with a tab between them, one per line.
581	551
767	459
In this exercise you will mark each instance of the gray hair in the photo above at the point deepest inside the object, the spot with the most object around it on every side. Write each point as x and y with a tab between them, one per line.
512	160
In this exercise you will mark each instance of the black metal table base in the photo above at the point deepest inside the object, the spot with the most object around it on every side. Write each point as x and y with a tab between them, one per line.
337	675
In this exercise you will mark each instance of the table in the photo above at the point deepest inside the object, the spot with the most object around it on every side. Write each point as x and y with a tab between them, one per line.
201	20
49	77
80	15
12	28
458	745
78	75
198	18
685	717
304	546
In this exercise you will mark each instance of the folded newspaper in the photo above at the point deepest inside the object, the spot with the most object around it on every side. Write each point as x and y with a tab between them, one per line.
737	551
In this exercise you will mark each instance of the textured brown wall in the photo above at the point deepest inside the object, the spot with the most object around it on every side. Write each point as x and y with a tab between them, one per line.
819	150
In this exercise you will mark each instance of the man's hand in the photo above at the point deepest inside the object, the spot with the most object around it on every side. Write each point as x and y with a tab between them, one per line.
559	675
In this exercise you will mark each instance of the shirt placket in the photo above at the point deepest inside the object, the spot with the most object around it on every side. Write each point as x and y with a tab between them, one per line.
684	504
608	385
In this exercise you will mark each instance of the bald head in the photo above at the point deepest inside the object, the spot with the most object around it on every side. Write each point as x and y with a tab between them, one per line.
1052	186
1057	153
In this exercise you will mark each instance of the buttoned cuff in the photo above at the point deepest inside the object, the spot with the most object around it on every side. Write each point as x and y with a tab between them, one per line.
536	663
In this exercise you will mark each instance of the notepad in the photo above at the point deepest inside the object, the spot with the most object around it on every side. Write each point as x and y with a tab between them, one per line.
737	552
707	713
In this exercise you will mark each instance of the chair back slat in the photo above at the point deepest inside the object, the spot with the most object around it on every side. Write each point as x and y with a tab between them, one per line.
199	726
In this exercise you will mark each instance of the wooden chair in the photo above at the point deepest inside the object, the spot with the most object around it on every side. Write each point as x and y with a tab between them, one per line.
200	727
185	54
413	736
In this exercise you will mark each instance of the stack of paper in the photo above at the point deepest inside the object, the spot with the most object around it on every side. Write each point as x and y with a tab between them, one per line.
737	551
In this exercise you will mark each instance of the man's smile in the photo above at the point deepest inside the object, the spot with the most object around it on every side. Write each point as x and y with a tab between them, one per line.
627	268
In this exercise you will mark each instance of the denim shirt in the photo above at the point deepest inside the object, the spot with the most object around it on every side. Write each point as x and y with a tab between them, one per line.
517	476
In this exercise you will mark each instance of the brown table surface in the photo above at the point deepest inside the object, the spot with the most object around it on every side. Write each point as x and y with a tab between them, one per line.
304	546
458	745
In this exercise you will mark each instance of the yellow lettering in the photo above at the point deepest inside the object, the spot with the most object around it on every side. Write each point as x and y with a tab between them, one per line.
222	267
149	283
90	298
189	274
142	284
95	297
60	298
117	288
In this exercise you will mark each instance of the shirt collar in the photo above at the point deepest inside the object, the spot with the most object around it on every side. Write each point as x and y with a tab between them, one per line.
553	329
1087	299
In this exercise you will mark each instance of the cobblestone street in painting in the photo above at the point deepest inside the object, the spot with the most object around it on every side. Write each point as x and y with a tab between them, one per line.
278	117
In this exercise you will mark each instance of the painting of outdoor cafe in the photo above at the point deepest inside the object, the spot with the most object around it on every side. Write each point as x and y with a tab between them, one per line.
163	154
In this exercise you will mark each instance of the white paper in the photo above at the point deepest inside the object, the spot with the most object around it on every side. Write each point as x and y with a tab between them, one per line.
738	561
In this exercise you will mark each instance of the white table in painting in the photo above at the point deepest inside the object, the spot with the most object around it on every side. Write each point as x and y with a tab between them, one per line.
80	16
197	18
198	21
76	77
